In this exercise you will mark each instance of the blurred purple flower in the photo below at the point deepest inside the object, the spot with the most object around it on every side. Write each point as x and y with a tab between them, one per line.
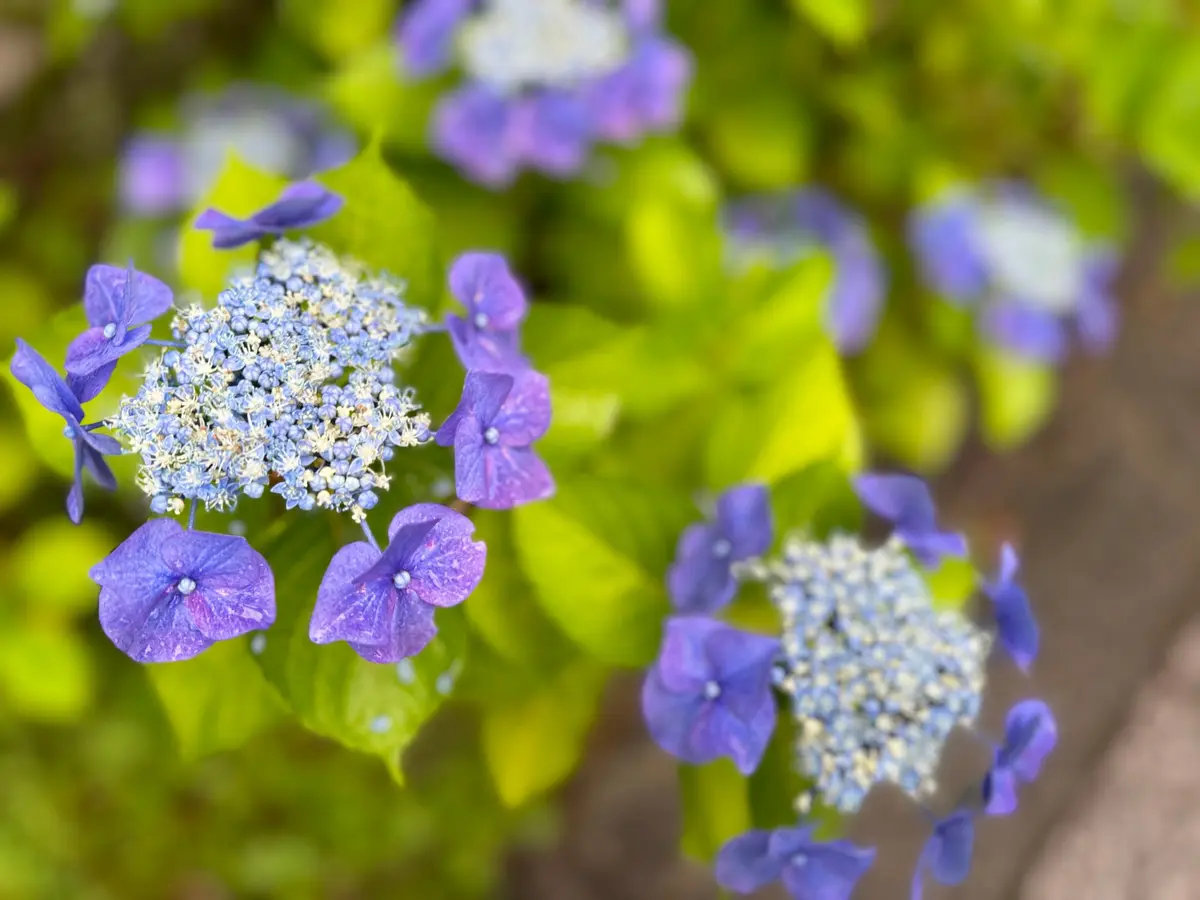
1030	734
700	579
301	205
496	421
163	173
487	337
167	594
56	395
383	604
118	304
808	869
905	501
780	229
612	76
1017	628
709	693
1032	274
947	854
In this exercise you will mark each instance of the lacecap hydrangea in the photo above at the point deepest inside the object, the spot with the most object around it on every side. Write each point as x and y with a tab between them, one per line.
288	386
777	230
873	674
543	81
1034	280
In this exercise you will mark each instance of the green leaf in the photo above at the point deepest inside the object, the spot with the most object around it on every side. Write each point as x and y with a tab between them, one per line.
842	21
384	225
804	417
239	190
597	554
503	609
533	745
217	700
1016	397
51	562
819	499
365	706
922	419
340	29
1170	131
715	807
953	583
761	139
45	672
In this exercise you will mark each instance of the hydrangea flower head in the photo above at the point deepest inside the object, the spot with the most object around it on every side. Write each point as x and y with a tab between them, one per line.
544	80
167	593
492	431
301	205
55	394
905	501
808	869
162	173
1014	256
118	303
876	677
1015	624
487	337
382	603
709	694
1030	734
780	229
701	578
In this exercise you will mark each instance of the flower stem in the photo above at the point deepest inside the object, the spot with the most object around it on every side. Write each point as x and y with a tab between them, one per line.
174	344
192	516
366	527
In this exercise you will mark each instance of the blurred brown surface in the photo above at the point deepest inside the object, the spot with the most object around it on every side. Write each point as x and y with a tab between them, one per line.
1104	507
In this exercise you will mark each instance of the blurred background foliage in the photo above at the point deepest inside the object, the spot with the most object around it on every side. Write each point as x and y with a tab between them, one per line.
670	377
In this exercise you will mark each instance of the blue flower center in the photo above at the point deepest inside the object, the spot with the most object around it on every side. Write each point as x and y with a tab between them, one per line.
69	433
712	690
721	548
491	435
401	579
799	859
110	330
481	320
185	585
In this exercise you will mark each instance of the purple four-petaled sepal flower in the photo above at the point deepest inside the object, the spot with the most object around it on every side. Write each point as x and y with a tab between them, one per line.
167	594
709	693
946	856
905	501
382	603
425	34
1033	275
808	869
492	430
301	205
119	304
701	579
781	228
1015	624
55	394
1030	734
487	338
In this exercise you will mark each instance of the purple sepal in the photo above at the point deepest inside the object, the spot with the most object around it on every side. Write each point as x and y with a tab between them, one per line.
484	349
947	854
301	205
472	130
1030	734
425	34
1016	626
709	693
383	604
700	579
123	296
809	870
491	430
644	95
643	15
905	501
944	237
484	284
1034	334
167	594
551	131
88	387
151	176
52	392
1097	317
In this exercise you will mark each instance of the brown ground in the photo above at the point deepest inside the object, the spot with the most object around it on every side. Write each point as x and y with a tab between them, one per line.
1104	506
